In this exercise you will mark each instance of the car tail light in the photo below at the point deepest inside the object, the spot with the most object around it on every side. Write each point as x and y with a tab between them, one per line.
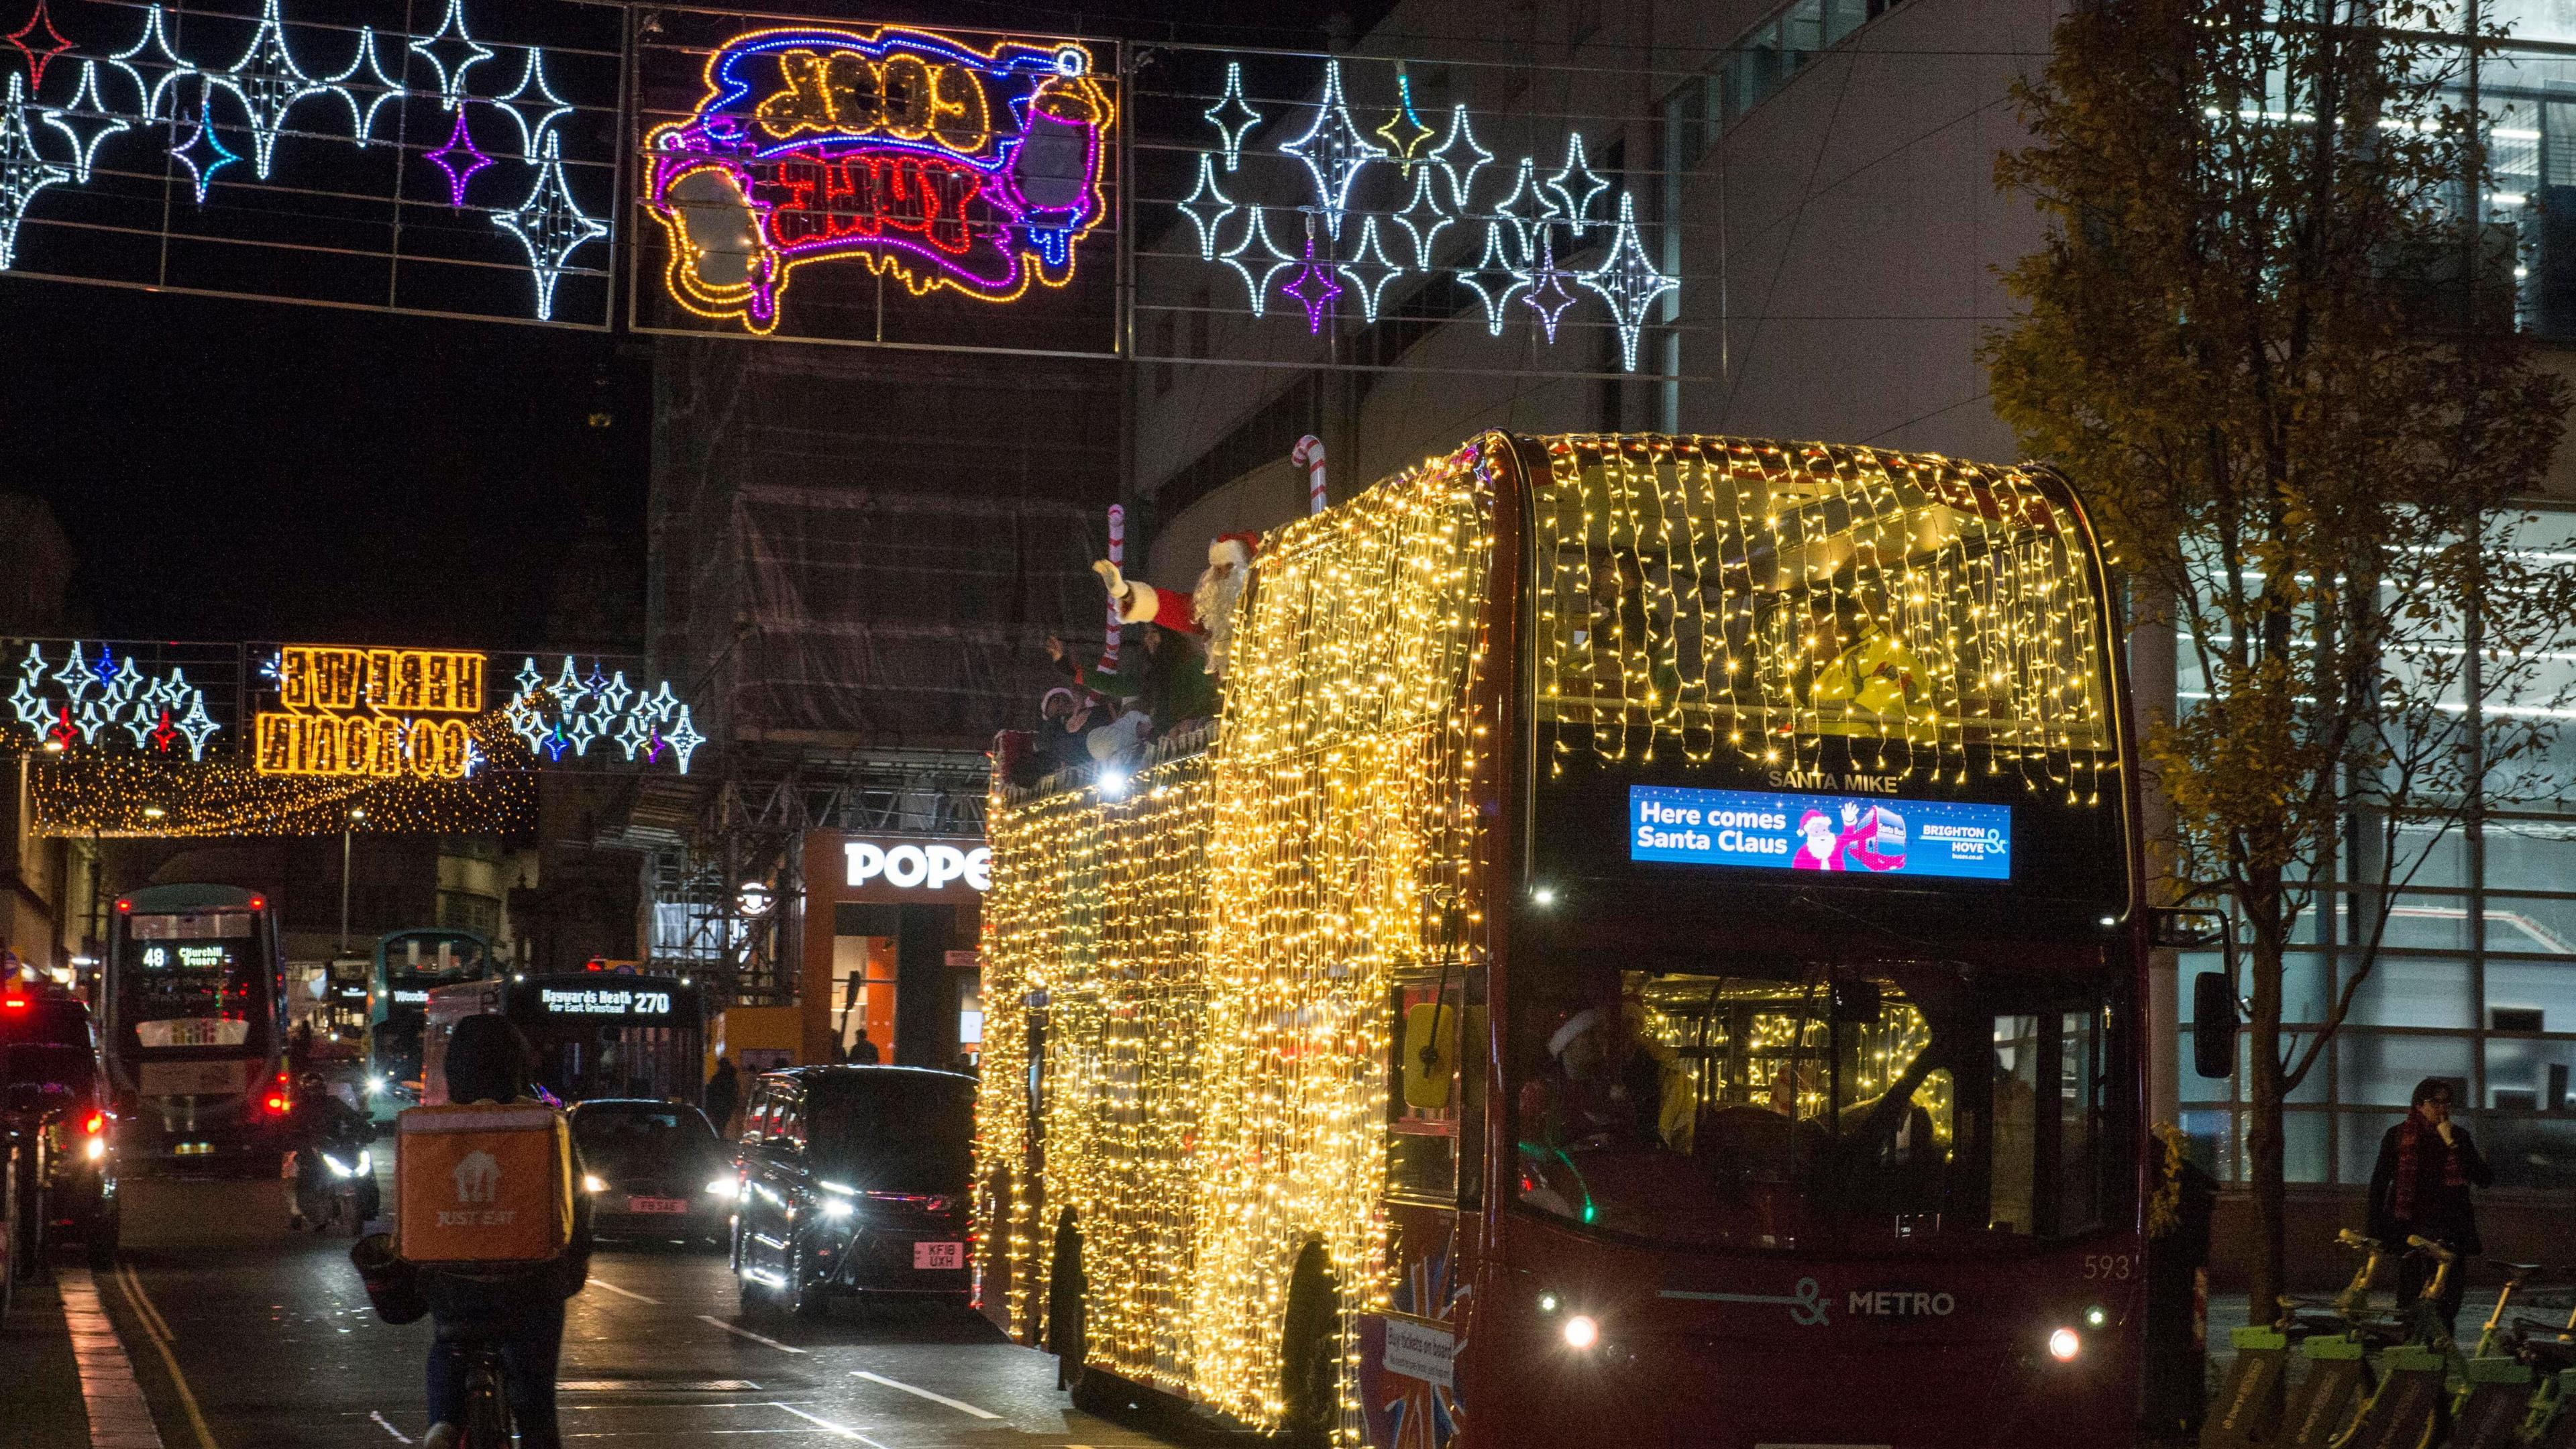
13	1003
259	903
125	905
96	1123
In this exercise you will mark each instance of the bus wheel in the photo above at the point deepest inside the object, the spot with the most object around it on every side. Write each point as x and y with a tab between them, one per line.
1310	1344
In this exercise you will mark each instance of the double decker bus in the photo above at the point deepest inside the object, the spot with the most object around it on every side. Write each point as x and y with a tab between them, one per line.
192	1015
406	967
1651	954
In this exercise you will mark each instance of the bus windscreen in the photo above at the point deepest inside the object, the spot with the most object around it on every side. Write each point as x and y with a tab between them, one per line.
194	979
1864	836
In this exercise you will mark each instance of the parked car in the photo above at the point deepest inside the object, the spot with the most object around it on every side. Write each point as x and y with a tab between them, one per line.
854	1180
653	1170
54	1092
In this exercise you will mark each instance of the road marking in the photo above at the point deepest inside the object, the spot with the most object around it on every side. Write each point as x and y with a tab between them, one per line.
157	1329
118	1416
828	1427
624	1292
747	1333
958	1404
387	1425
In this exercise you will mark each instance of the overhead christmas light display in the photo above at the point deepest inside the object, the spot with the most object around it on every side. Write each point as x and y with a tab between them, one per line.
573	712
380	712
108	699
945	166
1540	218
195	112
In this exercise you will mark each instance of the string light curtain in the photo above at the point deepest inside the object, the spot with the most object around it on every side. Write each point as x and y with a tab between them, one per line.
1213	952
1707	594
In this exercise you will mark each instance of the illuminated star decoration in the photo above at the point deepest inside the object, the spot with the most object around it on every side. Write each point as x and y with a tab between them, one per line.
1207	206
109	693
532	97
268	83
1543	288
1314	286
156	39
1576	186
204	142
1232	103
23	170
1454	152
1334	150
1422	217
38	56
460	158
389	89
1370	269
1528	209
452	58
1628	281
1493	279
1404	131
550	225
87	111
1258	230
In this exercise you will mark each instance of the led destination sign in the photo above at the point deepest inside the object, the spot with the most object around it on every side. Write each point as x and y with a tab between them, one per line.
1820	832
620	1001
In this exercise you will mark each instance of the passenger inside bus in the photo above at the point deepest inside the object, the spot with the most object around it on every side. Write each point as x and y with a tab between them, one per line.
1781	1112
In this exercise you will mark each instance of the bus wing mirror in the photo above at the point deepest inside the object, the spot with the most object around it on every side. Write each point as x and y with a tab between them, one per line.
2188	930
2213	1024
1430	1055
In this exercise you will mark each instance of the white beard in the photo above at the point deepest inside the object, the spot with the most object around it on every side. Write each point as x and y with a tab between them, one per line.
1213	603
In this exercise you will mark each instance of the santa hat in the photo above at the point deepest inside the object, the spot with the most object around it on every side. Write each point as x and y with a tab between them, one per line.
1234	548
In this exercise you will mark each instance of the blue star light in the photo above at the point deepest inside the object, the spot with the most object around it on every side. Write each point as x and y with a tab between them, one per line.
204	152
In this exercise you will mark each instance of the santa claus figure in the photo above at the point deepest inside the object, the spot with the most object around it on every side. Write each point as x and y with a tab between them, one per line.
1207	611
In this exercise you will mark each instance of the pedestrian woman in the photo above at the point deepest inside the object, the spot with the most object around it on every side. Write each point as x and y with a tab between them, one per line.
723	1094
2421	1188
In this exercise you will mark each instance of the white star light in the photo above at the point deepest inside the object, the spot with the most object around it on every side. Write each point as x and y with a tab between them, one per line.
87	109
552	227
1422	217
1369	270
1207	198
1628	281
1232	103
1453	152
1493	279
663	704
635	733
388	89
437	48
1334	150
156	38
1576	185
196	724
684	739
1259	231
534	97
268	83
1528	208
1543	288
23	172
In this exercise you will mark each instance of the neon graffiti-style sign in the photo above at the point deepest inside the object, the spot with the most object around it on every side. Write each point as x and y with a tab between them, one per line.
379	712
931	161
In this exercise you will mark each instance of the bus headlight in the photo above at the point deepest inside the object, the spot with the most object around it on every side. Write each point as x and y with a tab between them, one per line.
836	1207
1581	1332
722	1187
2063	1345
375	1086
590	1182
95	1148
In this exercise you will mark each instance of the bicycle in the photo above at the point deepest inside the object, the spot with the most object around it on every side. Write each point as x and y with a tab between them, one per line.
487	1408
2410	1404
2496	1390
2252	1407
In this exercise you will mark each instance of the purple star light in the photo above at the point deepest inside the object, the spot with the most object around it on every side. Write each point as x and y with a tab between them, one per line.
460	158
1314	286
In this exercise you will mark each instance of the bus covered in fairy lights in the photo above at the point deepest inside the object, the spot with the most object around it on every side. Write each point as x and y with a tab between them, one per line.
1650	955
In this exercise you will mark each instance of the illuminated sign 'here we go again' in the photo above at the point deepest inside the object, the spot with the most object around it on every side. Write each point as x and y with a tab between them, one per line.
379	712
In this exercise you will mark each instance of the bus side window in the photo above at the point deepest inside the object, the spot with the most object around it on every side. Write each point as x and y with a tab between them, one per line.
1430	1094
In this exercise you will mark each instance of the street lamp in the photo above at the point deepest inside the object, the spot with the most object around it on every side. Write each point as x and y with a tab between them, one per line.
357	817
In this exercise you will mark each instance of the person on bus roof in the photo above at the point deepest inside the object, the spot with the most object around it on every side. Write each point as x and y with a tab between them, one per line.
520	1309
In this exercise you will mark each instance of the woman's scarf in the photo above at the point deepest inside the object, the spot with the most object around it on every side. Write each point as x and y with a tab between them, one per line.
2413	1138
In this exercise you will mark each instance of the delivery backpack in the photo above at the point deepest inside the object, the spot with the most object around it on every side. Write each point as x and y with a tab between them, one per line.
488	1183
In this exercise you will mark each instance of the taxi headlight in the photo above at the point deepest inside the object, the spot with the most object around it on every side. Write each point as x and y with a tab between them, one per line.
591	1182
96	1148
836	1207
722	1187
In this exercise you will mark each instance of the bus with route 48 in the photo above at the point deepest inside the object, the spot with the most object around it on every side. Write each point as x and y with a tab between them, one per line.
192	1018
1650	953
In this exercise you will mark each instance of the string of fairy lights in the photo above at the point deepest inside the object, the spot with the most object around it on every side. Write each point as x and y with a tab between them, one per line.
1699	594
1213	950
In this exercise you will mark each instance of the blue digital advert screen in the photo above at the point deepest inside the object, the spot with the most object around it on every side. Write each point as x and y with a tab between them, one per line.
1847	833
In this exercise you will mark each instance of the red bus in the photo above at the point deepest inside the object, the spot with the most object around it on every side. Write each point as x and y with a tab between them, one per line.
1651	953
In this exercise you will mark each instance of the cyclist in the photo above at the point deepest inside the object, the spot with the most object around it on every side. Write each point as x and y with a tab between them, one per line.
2427	1165
517	1309
320	1123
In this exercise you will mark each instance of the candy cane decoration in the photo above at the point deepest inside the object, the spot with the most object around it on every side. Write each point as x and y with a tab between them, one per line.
1309	455
1117	555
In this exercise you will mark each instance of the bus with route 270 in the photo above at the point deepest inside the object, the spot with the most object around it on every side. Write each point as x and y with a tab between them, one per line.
192	1018
1650	953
